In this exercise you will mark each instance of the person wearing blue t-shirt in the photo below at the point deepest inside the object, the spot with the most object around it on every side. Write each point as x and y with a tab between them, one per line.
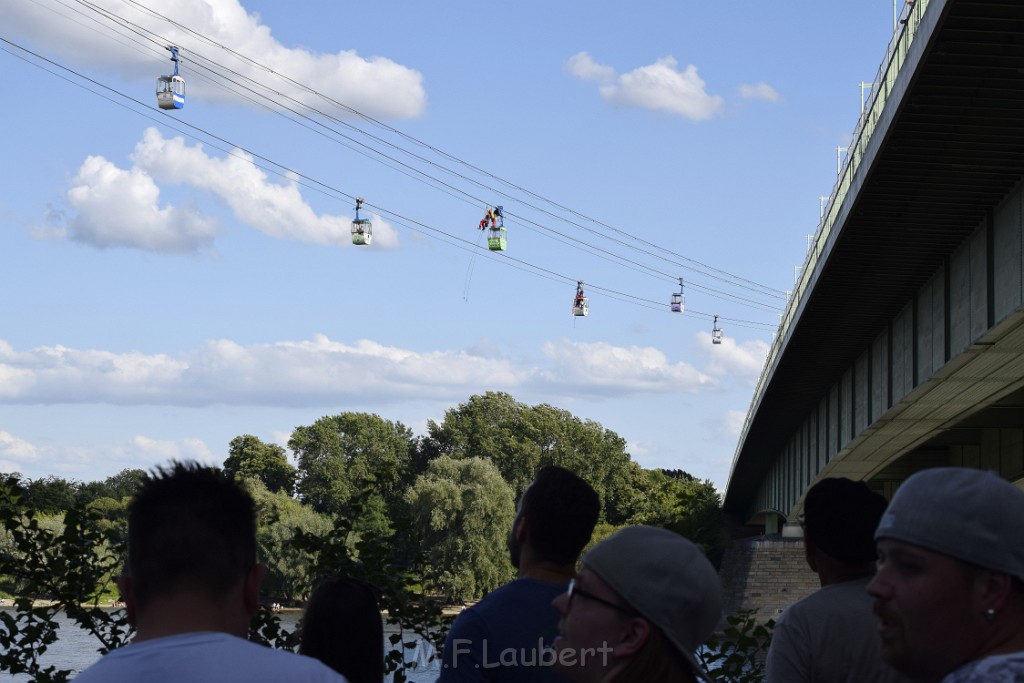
507	636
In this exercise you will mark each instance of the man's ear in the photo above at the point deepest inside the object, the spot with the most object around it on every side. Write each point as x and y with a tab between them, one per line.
811	554
993	590
253	581
522	529
125	586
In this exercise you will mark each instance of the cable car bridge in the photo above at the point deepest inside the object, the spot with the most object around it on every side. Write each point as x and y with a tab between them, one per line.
902	346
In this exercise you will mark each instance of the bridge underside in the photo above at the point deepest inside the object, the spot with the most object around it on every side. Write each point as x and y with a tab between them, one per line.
944	160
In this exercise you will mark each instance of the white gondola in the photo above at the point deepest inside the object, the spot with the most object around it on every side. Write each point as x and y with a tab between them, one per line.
579	303
170	90
579	307
362	228
678	303
716	333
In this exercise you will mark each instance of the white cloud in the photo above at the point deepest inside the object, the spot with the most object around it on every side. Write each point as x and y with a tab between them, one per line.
732	423
14	449
112	207
81	461
320	371
117	208
376	86
656	87
639	449
737	360
600	368
759	91
154	451
582	66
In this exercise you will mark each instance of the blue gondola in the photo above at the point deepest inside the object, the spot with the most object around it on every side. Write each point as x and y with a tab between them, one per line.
170	90
362	228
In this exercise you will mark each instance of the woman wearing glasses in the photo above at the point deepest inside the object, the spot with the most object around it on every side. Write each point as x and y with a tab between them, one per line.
642	603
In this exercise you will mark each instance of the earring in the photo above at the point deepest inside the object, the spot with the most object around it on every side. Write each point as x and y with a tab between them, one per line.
990	614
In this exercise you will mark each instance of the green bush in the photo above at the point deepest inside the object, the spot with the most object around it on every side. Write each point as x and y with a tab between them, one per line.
737	653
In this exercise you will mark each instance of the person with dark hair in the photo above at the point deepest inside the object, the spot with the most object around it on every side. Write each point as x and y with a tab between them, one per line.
507	635
191	587
949	592
645	599
343	628
831	636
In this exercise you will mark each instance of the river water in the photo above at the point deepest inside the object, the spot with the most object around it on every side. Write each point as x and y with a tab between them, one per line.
76	649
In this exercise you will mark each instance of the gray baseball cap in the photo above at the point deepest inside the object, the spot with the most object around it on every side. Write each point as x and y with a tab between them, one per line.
972	515
667	579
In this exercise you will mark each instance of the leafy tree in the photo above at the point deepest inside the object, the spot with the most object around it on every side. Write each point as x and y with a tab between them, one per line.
50	494
279	517
250	457
462	512
68	561
699	517
120	486
520	439
398	575
340	455
736	654
491	426
125	483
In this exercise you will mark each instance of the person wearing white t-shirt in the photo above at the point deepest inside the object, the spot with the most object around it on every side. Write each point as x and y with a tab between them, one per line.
191	587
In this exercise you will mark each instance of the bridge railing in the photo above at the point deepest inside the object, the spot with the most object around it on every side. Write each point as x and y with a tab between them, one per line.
885	79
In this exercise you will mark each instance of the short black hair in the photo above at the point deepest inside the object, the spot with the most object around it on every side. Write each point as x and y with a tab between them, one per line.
189	527
562	510
840	517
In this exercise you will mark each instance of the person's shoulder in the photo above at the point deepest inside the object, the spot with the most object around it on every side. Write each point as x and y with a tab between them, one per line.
1008	668
289	666
206	655
518	590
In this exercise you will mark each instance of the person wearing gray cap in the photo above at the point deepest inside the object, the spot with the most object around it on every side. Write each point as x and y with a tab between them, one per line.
831	636
949	591
642	603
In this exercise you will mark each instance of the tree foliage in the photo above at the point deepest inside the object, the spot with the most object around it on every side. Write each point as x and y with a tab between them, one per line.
279	518
338	456
248	457
415	517
463	511
520	439
71	564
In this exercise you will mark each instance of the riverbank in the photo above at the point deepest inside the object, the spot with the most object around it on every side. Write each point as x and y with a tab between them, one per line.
448	611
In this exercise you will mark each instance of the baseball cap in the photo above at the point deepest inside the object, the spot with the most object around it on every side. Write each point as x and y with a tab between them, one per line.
667	579
972	515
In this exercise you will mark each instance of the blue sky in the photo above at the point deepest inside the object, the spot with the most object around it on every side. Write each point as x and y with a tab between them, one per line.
173	280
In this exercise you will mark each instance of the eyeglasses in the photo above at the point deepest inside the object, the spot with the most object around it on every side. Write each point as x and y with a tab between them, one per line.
574	589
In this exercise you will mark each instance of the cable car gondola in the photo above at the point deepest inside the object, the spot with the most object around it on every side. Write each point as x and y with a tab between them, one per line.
494	222
678	303
362	228
716	333
170	90
497	239
579	303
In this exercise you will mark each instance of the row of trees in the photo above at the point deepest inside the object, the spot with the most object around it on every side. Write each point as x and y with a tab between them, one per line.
447	497
423	518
